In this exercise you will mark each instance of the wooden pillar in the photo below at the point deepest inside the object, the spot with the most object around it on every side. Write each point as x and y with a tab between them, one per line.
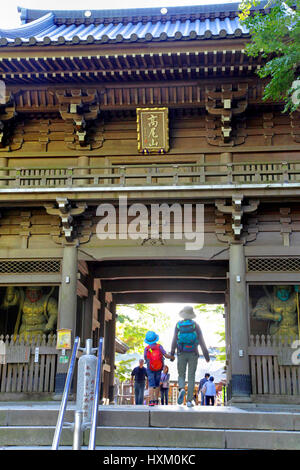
68	290
112	351
240	385
67	307
101	320
88	308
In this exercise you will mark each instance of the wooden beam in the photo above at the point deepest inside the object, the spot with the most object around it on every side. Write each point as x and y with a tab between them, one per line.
201	271
164	285
82	291
176	297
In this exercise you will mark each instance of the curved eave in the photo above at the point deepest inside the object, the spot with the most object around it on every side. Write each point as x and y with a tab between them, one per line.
28	30
46	32
61	41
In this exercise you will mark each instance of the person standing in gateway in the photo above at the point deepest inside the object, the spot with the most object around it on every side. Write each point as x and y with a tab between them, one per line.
187	337
140	375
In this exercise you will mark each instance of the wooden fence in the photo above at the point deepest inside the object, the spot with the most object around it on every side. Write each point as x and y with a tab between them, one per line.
28	367
125	395
275	366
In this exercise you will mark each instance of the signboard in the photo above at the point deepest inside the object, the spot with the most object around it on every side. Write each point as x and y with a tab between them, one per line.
64	339
152	130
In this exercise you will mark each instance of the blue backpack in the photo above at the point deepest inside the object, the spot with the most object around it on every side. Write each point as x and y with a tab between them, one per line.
187	337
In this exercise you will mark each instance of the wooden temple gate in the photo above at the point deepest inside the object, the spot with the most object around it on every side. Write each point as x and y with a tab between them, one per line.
155	108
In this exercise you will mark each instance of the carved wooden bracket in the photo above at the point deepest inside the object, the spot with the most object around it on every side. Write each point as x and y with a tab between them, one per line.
80	108
7	114
236	209
67	212
222	105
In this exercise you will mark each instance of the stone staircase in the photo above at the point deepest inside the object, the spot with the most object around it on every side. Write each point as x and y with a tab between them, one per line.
173	427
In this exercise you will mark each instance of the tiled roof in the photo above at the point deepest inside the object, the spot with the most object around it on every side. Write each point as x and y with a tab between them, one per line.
54	27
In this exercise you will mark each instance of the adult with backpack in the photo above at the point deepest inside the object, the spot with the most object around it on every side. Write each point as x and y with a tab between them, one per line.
154	355
187	337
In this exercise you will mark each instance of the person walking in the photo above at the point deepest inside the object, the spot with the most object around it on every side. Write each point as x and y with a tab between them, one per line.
154	355
139	374
187	336
164	385
210	392
200	392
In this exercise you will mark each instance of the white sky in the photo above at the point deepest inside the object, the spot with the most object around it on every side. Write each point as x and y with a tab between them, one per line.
9	17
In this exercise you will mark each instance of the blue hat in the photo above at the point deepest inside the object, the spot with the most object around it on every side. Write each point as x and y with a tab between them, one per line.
151	337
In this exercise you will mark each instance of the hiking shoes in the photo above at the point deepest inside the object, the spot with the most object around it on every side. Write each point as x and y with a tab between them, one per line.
181	396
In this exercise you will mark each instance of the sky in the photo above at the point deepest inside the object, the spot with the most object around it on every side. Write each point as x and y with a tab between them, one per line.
9	17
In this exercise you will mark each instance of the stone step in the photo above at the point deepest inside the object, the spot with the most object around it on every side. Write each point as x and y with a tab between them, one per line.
140	437
161	417
159	427
198	438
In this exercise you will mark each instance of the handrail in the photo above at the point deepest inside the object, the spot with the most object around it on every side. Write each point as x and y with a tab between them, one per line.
70	169
60	419
93	429
148	174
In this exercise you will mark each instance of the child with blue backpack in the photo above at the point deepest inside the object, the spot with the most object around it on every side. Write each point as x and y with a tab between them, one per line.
187	337
154	355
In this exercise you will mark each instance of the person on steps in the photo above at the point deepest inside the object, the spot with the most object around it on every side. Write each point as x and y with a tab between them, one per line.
187	337
154	355
164	385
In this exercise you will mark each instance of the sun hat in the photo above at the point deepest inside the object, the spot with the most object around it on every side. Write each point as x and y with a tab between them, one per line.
151	337
187	313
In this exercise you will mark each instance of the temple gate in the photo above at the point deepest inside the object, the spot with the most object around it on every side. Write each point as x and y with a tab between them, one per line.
138	108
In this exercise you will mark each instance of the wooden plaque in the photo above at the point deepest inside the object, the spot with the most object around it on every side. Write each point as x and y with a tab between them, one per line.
152	130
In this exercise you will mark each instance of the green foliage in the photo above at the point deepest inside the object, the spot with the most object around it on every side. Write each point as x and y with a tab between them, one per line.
215	314
133	322
123	369
222	356
275	35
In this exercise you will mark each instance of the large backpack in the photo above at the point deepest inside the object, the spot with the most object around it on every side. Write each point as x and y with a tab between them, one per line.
187	337
154	357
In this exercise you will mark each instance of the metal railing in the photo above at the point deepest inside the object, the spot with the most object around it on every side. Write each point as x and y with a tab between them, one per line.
64	400
85	416
216	173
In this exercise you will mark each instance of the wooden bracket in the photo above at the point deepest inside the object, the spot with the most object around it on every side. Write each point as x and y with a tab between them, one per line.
67	212
7	114
80	107
236	209
222	105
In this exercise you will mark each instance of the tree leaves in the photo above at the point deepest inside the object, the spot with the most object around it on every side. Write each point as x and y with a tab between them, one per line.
275	35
